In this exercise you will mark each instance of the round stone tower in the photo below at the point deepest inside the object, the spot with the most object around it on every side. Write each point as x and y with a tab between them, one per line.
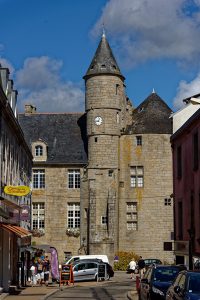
104	104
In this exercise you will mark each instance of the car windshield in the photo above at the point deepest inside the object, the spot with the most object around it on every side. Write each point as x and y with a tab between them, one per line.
194	283
165	274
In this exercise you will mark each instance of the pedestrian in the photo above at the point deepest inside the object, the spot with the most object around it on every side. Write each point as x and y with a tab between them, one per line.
32	272
46	268
132	266
141	266
40	271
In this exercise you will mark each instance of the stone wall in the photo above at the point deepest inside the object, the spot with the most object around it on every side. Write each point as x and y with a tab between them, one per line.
56	197
154	218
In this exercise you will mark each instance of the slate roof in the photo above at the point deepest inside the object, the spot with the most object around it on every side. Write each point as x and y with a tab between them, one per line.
151	116
103	61
64	134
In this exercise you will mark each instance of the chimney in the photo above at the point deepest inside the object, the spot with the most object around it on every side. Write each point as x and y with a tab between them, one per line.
4	75
14	101
9	90
30	109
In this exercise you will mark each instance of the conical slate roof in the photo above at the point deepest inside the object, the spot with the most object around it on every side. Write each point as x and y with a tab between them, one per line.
103	61
151	116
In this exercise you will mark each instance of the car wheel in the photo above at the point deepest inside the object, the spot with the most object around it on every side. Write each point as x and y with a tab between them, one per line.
96	278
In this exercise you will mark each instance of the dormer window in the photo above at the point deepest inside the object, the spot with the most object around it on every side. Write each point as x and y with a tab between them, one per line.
38	150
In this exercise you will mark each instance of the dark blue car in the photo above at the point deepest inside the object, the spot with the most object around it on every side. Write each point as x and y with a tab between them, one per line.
156	281
185	287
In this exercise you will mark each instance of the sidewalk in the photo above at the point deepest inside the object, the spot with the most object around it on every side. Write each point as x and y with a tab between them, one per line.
32	293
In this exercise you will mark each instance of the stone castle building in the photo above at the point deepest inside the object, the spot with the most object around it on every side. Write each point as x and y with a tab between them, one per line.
102	180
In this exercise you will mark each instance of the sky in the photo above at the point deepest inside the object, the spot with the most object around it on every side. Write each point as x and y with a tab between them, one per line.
48	46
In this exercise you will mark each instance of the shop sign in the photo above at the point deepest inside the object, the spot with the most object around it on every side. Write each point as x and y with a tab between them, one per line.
25	213
20	190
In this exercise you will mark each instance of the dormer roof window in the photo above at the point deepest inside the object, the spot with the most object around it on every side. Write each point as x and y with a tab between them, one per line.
38	150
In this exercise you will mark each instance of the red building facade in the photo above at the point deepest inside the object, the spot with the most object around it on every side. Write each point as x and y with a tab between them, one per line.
186	190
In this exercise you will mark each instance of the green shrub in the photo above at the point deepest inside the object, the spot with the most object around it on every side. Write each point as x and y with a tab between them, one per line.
124	260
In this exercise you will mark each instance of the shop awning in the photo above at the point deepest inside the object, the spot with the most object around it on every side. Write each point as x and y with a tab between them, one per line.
19	231
3	213
11	203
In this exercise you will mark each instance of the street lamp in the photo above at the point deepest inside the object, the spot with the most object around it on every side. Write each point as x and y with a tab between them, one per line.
191	233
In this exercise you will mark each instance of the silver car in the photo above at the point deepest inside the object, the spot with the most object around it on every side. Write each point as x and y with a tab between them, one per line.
85	271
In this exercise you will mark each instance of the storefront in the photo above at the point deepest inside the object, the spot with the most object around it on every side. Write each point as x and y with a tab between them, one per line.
14	258
40	251
181	250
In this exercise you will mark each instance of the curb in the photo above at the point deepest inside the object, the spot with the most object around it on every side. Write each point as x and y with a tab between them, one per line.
3	296
132	295
49	294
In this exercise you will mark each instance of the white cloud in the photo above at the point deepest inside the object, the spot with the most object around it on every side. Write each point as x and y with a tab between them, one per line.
186	89
4	62
152	29
39	83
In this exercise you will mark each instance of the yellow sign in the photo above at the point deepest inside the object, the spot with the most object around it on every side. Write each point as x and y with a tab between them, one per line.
20	190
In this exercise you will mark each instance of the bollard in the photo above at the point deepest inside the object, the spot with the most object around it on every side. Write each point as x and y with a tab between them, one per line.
137	283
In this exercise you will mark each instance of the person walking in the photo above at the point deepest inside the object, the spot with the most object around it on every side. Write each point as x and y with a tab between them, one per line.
46	269
32	272
40	271
141	266
132	266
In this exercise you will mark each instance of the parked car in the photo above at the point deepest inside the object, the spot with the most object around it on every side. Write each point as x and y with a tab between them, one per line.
72	259
87	269
156	281
150	261
186	286
197	265
110	271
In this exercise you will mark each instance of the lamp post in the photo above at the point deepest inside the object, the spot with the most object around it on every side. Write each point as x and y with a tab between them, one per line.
191	247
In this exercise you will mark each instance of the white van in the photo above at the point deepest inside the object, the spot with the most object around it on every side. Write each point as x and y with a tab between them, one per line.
104	258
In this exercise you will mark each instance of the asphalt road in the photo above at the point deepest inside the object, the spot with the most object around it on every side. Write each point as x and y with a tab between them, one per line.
114	289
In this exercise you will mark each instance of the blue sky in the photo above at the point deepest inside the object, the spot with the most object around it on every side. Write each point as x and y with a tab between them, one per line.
49	44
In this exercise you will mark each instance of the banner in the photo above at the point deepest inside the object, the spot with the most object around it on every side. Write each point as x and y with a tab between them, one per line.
20	190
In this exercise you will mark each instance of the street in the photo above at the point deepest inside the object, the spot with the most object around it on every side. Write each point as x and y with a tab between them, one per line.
116	288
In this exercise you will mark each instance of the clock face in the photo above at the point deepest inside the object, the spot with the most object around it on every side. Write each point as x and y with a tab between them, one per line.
98	120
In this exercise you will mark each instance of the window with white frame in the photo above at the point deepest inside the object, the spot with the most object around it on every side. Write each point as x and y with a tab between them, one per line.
74	179
137	176
73	215
132	226
131	216
38	178
38	150
38	215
